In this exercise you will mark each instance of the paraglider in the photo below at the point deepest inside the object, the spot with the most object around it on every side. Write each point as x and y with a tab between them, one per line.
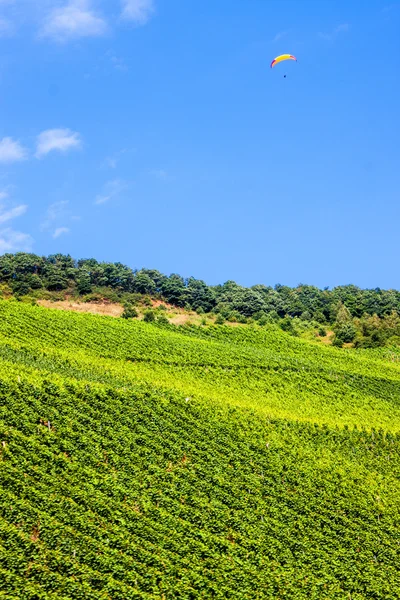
281	58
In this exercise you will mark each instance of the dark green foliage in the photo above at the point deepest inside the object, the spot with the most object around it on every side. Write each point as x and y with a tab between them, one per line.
286	324
219	320
173	290
346	333
263	320
149	316
130	312
20	288
199	296
83	282
143	284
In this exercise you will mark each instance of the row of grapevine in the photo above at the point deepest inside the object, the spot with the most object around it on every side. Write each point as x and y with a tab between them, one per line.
141	462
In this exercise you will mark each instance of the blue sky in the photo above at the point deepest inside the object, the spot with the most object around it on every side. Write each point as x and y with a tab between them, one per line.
154	133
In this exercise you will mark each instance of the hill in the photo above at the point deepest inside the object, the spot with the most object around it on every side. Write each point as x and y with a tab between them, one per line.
143	460
361	318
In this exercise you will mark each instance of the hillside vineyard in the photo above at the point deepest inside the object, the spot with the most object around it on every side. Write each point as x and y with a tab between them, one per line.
142	461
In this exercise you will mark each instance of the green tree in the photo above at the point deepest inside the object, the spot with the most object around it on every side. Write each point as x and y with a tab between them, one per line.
143	284
199	295
83	282
173	290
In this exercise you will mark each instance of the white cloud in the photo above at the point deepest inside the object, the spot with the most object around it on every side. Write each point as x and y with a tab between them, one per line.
57	139
55	218
343	28
138	11
13	241
111	190
55	212
59	231
12	213
11	151
74	20
111	162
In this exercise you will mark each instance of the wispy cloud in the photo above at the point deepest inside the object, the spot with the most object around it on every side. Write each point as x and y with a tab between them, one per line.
60	231
13	241
117	62
161	174
56	215
111	190
55	211
343	28
61	140
279	36
12	213
138	11
11	151
76	19
389	7
111	162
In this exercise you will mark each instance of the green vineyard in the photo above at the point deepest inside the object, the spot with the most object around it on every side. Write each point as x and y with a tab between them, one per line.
147	461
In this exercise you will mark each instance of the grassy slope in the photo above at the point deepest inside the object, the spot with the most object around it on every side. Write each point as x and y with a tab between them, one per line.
193	463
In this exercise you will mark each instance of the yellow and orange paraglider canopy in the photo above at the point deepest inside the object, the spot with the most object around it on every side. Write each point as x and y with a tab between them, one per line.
282	57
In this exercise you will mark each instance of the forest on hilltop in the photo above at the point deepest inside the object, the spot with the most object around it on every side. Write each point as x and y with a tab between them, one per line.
359	317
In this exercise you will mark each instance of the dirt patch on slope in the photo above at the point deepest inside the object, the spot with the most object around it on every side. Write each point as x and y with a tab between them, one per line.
109	309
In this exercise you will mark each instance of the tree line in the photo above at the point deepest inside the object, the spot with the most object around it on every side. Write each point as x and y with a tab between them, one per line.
365	317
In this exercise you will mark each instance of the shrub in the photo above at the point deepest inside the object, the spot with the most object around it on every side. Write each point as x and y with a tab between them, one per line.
346	332
233	316
264	320
130	312
95	297
146	301
162	320
241	318
149	316
286	324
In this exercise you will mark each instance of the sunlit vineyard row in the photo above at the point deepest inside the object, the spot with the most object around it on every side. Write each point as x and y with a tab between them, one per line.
140	461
